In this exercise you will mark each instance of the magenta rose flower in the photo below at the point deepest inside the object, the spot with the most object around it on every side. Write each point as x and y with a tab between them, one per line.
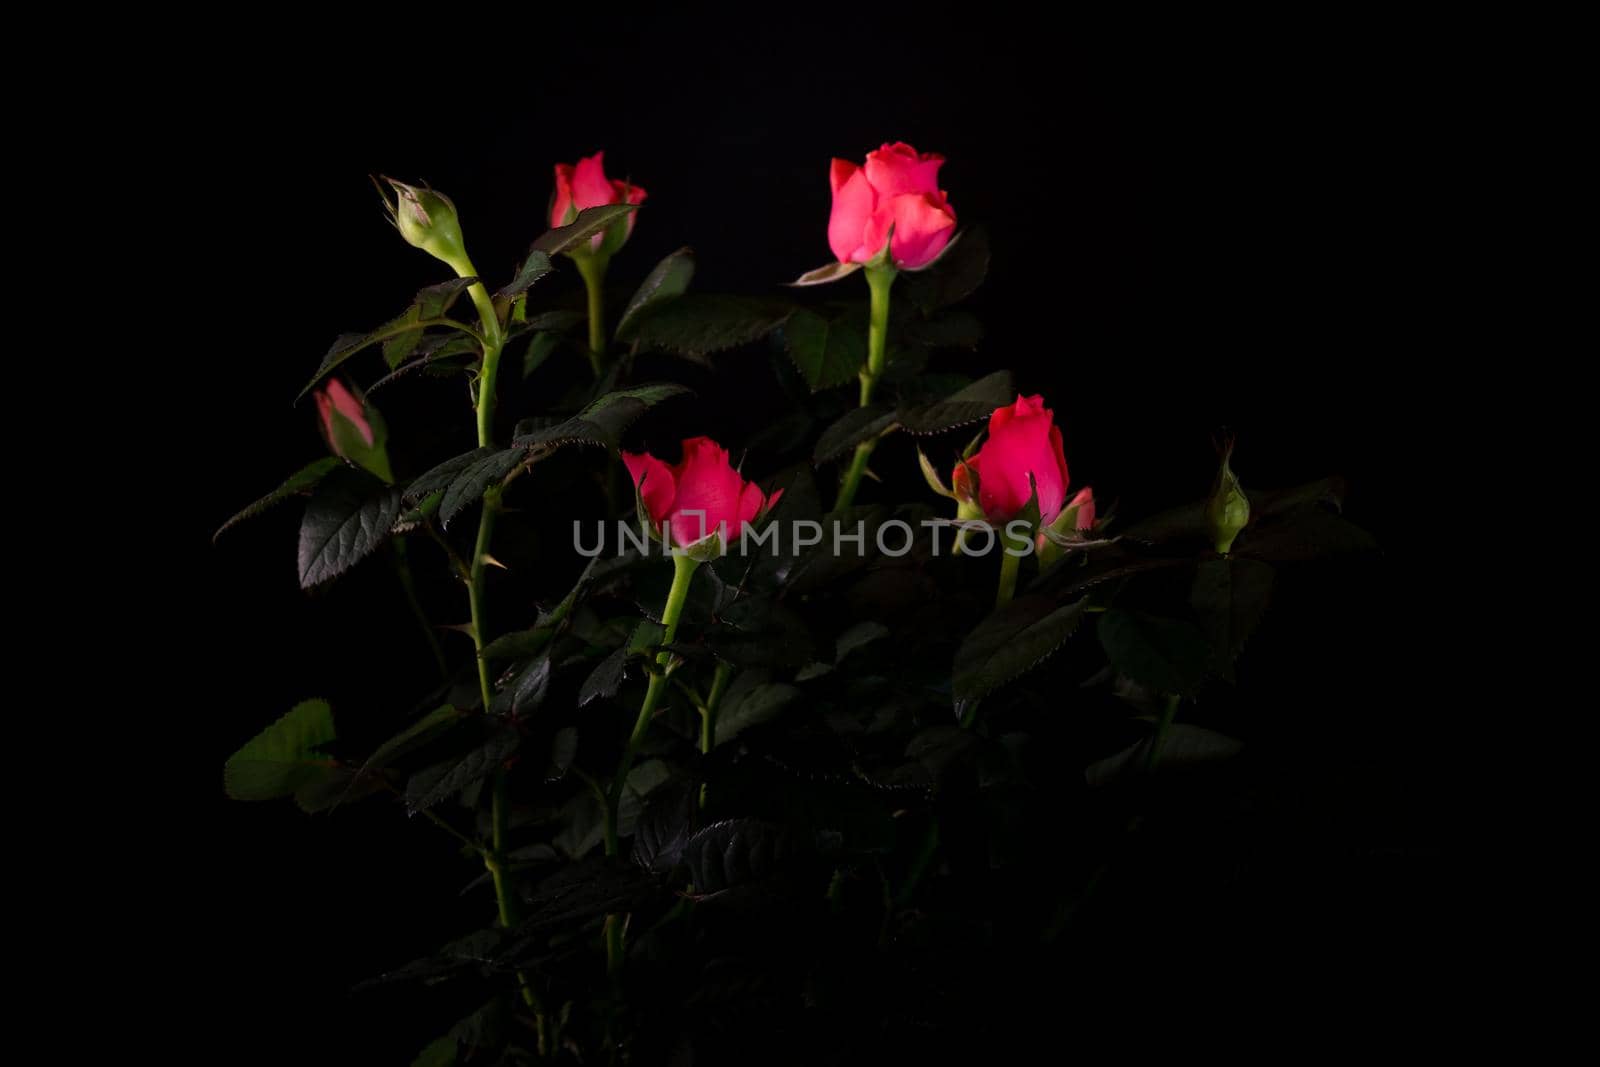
897	188
585	185
1023	440
702	481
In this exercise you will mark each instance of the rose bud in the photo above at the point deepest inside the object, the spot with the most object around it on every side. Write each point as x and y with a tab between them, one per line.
1077	517
1228	510
894	200
586	185
353	428
1023	440
700	496
427	220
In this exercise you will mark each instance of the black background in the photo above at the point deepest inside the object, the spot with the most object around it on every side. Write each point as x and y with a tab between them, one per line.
1185	237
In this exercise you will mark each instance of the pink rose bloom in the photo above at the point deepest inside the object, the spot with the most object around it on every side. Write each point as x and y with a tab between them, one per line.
586	185
702	481
1023	440
335	400
896	188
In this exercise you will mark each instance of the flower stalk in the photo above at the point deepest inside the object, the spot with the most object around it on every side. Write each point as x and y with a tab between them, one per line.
593	270
879	280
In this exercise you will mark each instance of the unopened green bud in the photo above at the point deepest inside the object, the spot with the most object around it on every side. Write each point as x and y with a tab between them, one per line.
1228	510
427	220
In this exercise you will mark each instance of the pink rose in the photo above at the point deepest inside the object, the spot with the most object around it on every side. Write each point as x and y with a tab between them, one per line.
334	401
1023	440
586	186
703	481
896	188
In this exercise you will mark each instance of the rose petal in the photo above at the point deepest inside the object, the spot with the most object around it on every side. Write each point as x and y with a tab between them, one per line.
706	483
897	169
923	225
589	185
561	208
853	207
655	483
839	173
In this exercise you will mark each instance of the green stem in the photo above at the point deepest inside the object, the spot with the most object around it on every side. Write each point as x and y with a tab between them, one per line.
1009	565
879	281
593	270
500	813
683	568
1008	568
1168	713
708	715
477	587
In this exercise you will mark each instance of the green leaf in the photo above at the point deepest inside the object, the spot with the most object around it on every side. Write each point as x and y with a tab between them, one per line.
856	425
761	703
437	479
524	695
426	788
429	303
954	276
1306	533
432	725
605	679
536	266
283	758
831	272
563	750
1230	597
1184	746
974	403
735	851
756	631
440	1053
1168	655
828	352
299	482
347	518
473	479
1013	640
698	324
590	221
669	278
602	422
858	636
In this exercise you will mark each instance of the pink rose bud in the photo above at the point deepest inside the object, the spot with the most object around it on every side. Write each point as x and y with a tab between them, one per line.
353	429
703	481
586	185
334	399
1083	504
897	189
1023	440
